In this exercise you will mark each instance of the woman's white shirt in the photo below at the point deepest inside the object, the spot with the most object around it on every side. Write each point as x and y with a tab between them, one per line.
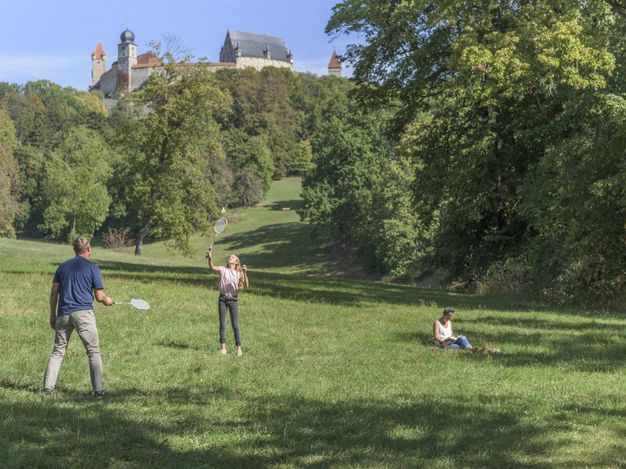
444	332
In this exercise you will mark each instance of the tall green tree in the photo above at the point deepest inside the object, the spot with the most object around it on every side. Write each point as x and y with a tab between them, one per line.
166	189
31	161
303	161
43	112
339	191
262	106
485	88
315	99
575	201
254	153
9	177
75	185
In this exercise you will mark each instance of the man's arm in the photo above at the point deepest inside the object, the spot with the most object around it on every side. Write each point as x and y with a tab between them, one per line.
102	298
54	298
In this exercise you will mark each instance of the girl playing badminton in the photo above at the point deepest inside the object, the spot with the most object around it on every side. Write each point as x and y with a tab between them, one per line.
232	278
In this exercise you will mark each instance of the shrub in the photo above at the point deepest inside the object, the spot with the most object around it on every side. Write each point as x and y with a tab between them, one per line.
510	276
117	238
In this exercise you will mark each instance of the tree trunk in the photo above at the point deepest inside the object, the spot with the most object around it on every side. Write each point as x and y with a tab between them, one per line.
140	237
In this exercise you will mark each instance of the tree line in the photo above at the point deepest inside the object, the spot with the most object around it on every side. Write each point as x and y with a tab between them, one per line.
484	142
481	142
164	161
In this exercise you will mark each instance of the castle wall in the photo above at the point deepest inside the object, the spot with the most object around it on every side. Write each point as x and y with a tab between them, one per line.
108	82
215	66
259	63
139	76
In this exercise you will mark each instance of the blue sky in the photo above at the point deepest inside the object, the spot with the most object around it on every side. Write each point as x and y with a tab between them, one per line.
53	39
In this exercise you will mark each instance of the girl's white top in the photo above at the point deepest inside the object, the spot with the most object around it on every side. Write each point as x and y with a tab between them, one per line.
444	331
229	282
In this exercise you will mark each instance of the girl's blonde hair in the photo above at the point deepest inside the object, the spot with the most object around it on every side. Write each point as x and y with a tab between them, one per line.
237	262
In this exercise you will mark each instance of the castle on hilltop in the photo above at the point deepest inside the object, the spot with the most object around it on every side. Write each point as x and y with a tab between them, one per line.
240	50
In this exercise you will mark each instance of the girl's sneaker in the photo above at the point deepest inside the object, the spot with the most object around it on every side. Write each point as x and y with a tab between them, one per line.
239	353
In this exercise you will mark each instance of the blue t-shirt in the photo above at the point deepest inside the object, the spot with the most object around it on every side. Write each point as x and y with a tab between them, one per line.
78	278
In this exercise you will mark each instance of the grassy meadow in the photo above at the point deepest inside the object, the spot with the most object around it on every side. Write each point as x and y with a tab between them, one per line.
336	371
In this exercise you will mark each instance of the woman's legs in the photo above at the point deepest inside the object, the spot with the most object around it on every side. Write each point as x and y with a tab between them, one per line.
461	342
234	320
221	308
233	308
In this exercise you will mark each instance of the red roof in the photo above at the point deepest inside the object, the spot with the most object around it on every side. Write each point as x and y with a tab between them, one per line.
99	52
148	60
334	61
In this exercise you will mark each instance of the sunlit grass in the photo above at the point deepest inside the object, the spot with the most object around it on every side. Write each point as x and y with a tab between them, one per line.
335	372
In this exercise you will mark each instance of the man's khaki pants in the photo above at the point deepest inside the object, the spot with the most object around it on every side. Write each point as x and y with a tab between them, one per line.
85	324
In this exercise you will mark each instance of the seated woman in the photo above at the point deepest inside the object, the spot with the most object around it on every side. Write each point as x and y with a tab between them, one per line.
443	332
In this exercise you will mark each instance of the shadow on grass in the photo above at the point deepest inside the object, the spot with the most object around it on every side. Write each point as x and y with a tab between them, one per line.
293	204
584	353
321	289
283	245
422	431
177	345
546	326
588	346
274	430
574	348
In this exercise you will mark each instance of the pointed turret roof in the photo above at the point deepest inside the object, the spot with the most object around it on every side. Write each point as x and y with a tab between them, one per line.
334	61
99	52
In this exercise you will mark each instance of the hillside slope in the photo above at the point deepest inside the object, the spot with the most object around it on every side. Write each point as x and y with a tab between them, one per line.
335	372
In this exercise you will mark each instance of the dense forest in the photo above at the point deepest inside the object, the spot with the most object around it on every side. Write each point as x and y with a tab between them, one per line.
480	142
488	145
164	160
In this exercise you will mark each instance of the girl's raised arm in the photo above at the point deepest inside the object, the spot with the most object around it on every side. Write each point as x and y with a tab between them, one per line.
209	257
243	281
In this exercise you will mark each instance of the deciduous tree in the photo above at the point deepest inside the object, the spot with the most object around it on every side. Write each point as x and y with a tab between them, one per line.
75	185
9	177
168	194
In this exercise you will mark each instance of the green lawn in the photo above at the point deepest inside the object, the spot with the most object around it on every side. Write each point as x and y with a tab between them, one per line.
335	373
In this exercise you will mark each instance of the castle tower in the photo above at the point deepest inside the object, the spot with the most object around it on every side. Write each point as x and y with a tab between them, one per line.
334	66
98	64
126	59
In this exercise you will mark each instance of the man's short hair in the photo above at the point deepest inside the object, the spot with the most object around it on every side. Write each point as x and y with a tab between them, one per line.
80	245
448	310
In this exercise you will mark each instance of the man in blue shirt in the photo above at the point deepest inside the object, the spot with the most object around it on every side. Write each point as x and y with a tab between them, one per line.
74	286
